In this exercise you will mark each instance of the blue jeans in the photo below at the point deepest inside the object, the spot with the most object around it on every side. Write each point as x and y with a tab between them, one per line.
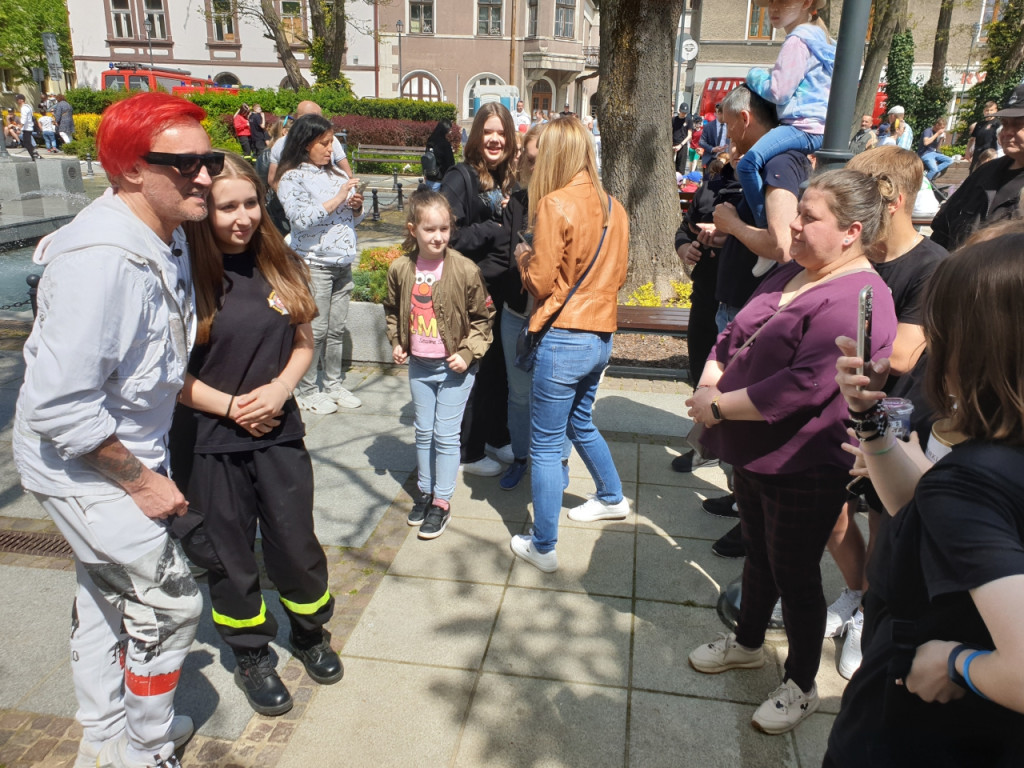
51	139
332	288
723	317
775	142
519	384
935	163
439	398
565	378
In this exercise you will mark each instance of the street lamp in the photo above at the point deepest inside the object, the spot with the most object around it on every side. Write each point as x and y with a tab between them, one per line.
149	37
399	27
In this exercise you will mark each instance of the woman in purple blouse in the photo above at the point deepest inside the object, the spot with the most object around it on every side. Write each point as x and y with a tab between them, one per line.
772	409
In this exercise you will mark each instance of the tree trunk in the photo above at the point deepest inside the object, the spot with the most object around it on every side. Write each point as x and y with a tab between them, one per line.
273	24
634	112
887	15
1016	57
939	52
331	30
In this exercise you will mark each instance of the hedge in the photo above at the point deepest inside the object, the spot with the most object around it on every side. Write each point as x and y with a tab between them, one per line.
390	132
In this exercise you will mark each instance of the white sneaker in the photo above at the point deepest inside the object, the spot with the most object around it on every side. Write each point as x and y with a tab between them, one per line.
523	547
594	509
181	731
319	403
503	454
841	612
485	467
724	654
343	397
114	754
762	266
849	661
786	708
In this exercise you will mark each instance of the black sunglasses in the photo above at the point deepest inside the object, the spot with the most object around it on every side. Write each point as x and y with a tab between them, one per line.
188	165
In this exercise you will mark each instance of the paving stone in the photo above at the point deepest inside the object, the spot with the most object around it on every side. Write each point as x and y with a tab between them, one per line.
656	469
682	570
597	561
676	511
469	550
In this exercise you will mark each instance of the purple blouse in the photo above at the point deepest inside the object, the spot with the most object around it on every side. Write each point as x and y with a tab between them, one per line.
789	372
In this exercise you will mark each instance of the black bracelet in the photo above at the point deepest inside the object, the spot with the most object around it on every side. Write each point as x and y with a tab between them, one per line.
954	676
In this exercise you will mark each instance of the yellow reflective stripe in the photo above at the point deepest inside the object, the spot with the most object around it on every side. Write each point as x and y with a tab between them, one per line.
305	609
227	621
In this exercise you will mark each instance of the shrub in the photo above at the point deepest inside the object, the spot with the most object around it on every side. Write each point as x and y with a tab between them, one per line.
646	296
86	124
80	147
88	101
221	134
953	150
371	276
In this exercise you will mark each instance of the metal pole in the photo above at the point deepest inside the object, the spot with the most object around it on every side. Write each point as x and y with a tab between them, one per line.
679	59
376	205
149	38
853	31
401	202
399	26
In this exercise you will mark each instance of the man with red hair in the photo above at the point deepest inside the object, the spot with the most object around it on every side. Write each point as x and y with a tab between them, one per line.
104	363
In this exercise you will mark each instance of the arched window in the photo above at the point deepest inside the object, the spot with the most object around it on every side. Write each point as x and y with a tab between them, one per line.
478	81
227	79
422	86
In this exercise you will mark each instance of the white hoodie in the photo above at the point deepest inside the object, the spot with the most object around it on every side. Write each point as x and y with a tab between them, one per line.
108	350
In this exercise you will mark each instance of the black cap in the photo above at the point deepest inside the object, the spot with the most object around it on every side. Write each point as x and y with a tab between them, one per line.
1014	104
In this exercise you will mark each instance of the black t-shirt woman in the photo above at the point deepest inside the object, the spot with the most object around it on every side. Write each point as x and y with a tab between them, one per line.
237	439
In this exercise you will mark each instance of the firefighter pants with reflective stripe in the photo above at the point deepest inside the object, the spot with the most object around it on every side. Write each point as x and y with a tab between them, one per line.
134	618
272	488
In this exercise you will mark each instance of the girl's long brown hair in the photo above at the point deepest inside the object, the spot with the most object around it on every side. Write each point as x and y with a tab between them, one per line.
284	269
501	176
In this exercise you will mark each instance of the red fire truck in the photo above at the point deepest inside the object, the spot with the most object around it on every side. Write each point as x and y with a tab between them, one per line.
141	77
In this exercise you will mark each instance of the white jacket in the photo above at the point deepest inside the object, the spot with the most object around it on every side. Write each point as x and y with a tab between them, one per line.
321	238
108	350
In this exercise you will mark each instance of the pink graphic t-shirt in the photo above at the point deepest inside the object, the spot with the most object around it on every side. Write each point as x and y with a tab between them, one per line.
424	339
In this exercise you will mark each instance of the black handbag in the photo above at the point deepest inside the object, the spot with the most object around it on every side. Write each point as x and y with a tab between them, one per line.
528	341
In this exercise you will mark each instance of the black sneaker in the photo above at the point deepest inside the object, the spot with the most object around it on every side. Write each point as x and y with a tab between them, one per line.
435	522
419	509
690	461
730	545
256	676
723	506
320	660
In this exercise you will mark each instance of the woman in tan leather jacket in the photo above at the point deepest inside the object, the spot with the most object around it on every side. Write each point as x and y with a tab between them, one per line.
575	223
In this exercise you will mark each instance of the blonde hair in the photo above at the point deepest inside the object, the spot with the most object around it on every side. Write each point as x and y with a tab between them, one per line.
286	272
563	150
418	203
858	197
531	135
901	166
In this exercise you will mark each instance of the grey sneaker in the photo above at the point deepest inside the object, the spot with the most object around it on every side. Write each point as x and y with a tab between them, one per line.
841	612
318	402
343	397
724	654
114	754
786	708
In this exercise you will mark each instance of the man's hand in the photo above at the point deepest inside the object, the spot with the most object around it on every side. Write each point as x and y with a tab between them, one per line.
710	236
690	253
726	218
157	496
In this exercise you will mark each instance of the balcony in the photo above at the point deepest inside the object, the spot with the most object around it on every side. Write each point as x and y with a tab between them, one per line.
592	54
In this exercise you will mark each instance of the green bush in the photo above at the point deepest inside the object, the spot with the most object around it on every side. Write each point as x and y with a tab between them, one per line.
371	276
87	100
953	150
86	145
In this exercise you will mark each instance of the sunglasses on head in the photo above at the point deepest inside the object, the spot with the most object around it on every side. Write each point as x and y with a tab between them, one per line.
188	165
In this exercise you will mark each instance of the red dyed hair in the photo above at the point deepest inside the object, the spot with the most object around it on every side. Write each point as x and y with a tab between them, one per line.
129	127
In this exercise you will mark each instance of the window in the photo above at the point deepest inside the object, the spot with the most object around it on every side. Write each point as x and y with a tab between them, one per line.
565	15
121	16
138	82
156	19
168	84
531	30
421	18
291	21
421	86
488	17
991	10
223	21
541	96
227	79
760	27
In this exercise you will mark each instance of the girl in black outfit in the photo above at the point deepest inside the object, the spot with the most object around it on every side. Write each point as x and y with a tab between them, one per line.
942	679
478	191
248	461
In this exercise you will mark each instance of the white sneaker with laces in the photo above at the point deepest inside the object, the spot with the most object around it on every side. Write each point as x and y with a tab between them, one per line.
503	454
318	403
786	708
114	754
724	654
841	612
523	547
181	731
343	397
485	467
593	509
849	661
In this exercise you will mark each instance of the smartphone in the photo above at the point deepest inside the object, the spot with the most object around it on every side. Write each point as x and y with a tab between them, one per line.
864	327
527	238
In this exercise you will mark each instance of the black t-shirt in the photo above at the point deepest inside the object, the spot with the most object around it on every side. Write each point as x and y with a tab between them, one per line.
735	282
963	529
984	135
681	127
250	343
907	277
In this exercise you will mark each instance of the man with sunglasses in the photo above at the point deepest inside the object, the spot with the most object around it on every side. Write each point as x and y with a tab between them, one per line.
104	364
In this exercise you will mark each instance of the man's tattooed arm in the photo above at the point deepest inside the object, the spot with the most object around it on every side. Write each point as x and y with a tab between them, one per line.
156	495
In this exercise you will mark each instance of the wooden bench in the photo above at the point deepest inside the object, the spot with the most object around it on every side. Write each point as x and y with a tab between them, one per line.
665	321
379	153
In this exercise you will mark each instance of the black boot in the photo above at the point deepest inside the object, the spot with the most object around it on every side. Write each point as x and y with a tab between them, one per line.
731	544
256	676
320	660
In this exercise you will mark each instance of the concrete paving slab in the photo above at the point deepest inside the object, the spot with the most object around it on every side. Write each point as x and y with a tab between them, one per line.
481	498
359	440
349	502
623	454
383	714
811	738
669	731
469	550
681	570
656	469
562	636
15	501
598	562
12	369
664	636
641	413
676	511
383	392
517	722
426	621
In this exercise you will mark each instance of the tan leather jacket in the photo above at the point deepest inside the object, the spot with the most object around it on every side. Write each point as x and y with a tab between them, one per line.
462	305
565	237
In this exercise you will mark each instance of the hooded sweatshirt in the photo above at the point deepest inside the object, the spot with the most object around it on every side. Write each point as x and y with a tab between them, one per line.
108	350
800	81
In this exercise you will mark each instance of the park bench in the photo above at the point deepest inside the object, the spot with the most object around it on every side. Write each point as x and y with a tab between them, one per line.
379	153
661	321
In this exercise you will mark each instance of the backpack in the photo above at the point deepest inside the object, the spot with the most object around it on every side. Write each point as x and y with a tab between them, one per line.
428	164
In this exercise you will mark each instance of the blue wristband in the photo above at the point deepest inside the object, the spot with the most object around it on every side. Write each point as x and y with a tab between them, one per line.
967	673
